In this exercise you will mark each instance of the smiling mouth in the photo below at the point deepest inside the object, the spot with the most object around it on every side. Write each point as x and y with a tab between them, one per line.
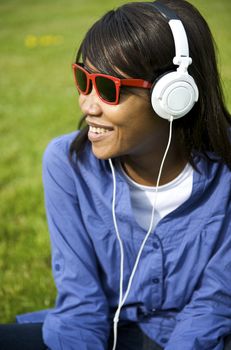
98	130
99	133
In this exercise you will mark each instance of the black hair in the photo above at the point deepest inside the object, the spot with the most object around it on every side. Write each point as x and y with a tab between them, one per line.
137	40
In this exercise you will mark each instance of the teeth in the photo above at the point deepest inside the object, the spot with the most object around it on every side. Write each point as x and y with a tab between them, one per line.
98	130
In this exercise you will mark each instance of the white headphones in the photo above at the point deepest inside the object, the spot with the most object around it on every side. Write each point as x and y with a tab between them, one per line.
174	94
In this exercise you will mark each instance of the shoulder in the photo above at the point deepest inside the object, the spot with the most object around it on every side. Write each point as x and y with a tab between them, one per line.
59	147
58	163
211	167
57	169
213	181
57	152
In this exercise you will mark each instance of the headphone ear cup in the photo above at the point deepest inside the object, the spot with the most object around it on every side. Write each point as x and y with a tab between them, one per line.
174	94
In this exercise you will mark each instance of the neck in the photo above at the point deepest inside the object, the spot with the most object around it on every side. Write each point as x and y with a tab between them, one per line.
144	169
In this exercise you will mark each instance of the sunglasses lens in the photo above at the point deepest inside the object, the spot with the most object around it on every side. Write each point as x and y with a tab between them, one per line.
81	80
106	88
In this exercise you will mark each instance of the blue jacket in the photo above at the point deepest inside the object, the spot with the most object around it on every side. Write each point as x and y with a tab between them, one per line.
181	292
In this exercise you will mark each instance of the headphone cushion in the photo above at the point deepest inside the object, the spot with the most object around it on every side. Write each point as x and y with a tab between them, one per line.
174	94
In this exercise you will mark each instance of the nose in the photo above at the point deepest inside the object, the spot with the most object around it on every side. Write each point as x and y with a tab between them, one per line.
90	104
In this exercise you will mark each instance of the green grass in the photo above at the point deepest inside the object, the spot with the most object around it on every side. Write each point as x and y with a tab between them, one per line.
39	102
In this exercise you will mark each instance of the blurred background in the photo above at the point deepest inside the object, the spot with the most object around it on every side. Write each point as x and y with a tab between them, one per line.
38	43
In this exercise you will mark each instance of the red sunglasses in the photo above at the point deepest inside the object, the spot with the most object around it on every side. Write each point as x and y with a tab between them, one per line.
106	86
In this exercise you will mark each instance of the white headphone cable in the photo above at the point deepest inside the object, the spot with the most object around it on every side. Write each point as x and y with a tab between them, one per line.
117	233
122	298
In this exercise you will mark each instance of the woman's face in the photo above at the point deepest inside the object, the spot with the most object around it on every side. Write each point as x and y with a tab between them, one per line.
130	128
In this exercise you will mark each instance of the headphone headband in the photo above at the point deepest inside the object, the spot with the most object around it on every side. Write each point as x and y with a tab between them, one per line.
175	93
179	35
165	11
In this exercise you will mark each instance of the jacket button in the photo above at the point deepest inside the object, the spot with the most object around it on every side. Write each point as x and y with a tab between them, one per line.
164	340
155	280
57	267
155	245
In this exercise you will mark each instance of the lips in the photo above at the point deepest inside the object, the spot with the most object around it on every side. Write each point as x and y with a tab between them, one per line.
98	131
98	125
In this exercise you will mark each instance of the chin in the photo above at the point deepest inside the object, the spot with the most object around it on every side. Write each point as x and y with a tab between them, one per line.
103	154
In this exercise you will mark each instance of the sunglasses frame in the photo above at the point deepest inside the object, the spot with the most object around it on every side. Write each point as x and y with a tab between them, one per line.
91	77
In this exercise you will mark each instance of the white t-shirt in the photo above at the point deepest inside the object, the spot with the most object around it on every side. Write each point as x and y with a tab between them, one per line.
169	197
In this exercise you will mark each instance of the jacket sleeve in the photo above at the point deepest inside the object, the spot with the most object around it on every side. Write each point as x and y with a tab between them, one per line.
80	318
205	321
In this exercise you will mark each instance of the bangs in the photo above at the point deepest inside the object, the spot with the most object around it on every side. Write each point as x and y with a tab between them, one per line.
100	47
120	43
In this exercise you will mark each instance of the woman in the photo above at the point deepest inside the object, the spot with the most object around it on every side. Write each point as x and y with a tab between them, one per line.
138	201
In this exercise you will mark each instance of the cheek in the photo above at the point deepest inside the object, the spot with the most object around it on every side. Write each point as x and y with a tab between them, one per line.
136	130
81	99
